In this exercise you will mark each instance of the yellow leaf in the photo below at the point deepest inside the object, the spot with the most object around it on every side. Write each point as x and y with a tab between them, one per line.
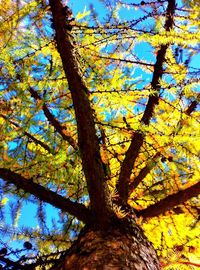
80	16
4	201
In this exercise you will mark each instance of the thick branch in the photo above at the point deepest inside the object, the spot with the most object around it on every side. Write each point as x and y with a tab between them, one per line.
138	138
170	202
73	208
87	138
55	123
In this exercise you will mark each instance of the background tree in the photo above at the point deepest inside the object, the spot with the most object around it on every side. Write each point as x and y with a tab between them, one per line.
99	118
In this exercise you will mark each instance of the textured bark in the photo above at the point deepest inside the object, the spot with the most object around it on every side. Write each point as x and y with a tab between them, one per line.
88	142
122	246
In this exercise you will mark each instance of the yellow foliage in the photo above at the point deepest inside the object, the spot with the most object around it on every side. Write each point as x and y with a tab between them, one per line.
80	15
3	201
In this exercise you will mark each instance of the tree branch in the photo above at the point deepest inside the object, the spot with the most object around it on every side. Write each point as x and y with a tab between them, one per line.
170	202
151	164
123	60
30	136
73	208
138	138
87	138
55	123
9	262
143	172
192	106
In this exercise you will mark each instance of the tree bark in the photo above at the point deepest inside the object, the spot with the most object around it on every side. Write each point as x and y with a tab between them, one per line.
88	142
122	246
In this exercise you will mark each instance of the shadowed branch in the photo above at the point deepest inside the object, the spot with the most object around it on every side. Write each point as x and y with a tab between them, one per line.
138	137
87	137
152	163
192	105
55	123
143	172
66	205
30	136
170	202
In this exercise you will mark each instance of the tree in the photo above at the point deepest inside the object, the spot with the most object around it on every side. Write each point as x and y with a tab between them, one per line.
101	131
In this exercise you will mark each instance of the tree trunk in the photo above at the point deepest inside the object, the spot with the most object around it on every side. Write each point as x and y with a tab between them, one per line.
121	246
